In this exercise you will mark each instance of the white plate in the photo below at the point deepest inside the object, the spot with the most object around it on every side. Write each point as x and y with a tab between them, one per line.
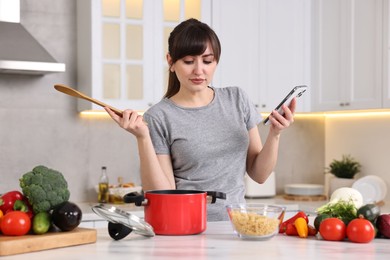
372	188
304	189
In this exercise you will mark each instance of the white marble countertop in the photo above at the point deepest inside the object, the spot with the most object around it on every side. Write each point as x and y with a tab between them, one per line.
217	242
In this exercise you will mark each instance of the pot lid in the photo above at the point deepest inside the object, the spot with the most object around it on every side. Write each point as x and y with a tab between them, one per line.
115	215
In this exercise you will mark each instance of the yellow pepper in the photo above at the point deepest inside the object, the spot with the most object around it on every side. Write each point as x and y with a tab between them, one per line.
302	228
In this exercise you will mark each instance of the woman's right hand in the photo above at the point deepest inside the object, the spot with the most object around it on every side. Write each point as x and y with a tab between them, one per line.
131	121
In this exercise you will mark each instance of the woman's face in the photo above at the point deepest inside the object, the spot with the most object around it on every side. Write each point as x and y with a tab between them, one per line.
195	72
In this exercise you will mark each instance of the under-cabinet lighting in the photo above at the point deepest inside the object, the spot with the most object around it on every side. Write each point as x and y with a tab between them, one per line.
99	113
358	113
314	115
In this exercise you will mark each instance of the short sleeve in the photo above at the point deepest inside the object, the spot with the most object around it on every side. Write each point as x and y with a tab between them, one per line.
158	134
252	116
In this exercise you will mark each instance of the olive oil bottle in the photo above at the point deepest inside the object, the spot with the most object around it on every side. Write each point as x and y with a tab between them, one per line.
104	194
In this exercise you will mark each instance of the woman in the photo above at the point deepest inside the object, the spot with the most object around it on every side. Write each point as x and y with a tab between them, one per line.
199	137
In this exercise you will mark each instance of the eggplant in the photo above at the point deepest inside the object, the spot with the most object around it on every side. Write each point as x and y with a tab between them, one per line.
67	216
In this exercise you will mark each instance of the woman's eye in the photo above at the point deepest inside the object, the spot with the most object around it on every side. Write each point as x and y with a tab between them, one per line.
188	61
207	61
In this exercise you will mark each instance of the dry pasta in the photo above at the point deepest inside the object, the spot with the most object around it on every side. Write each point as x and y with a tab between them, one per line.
253	224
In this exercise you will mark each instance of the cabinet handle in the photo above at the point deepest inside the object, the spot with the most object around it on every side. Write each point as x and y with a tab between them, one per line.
263	105
150	104
347	104
341	104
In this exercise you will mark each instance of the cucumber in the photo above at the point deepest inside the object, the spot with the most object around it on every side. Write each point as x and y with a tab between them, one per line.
41	223
369	212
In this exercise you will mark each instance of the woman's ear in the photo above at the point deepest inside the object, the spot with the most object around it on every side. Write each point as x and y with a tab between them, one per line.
170	63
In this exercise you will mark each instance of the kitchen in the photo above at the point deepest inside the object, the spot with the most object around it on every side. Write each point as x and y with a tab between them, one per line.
42	126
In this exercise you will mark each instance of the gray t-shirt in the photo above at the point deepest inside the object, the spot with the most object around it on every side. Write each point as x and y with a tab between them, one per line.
208	145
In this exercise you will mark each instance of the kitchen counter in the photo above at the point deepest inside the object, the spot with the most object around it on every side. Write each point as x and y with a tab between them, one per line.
217	242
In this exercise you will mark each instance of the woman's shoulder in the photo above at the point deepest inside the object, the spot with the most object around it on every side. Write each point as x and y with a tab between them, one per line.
230	91
157	109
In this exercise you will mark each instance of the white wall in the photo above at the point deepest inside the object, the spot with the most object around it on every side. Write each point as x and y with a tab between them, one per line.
367	139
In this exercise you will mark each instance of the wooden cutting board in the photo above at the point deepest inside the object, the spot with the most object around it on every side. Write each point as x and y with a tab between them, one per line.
11	245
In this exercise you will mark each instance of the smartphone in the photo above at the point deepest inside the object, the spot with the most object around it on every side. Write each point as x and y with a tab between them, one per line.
295	92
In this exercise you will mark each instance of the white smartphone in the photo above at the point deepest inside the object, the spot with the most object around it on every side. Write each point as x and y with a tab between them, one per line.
295	92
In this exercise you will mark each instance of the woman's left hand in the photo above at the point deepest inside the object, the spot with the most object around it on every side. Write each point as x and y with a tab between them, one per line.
280	122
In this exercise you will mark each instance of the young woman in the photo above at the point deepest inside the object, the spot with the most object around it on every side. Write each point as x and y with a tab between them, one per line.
199	137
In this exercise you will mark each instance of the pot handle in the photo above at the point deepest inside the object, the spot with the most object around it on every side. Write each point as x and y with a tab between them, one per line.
216	195
134	197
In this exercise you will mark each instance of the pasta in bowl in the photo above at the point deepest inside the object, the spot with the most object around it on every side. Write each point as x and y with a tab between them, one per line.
255	221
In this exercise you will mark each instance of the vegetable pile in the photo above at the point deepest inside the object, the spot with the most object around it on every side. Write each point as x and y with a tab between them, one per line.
43	205
344	217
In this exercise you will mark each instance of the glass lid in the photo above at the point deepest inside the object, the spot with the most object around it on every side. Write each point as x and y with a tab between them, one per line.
115	215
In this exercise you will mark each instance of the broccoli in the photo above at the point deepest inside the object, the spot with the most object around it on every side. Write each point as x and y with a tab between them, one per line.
44	188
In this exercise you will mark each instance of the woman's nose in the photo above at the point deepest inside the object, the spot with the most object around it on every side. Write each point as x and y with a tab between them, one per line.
198	68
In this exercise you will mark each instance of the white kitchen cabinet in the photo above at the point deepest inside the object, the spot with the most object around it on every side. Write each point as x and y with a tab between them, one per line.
386	55
122	46
347	54
265	48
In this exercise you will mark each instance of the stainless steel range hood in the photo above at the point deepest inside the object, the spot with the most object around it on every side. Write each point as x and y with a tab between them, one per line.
20	52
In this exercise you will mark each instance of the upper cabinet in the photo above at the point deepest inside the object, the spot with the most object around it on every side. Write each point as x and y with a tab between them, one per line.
338	48
265	48
386	55
347	54
122	46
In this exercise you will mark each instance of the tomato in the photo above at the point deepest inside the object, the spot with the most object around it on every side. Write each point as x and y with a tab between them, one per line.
15	223
360	230
333	229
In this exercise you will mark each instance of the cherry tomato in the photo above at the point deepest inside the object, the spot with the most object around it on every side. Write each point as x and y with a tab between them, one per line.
333	229
360	230
15	223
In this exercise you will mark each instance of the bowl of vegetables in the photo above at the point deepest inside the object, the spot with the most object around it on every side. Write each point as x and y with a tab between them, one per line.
255	221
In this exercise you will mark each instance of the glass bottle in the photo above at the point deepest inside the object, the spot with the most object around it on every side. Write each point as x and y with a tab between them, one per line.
103	196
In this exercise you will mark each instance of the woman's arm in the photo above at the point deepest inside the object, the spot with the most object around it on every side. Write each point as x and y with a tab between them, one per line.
261	160
156	170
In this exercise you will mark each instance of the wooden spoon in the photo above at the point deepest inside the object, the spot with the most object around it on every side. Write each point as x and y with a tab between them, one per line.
72	92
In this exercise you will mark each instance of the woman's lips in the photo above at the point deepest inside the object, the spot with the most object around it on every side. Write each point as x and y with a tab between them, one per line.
197	81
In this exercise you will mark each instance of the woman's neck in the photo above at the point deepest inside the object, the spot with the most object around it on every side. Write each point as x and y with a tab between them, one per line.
193	99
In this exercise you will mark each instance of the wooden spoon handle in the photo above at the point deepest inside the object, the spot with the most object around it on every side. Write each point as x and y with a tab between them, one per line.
74	93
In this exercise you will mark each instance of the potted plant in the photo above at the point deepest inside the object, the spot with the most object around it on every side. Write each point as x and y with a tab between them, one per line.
345	168
341	173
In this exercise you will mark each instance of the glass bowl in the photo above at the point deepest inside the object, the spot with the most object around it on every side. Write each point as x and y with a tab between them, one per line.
254	221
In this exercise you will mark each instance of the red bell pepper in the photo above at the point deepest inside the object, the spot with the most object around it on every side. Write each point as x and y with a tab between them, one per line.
291	220
15	201
7	200
291	230
23	205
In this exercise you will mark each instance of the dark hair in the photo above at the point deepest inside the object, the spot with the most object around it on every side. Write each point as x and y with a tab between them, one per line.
190	37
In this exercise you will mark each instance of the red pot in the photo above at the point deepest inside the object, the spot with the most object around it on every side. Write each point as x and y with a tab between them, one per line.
175	212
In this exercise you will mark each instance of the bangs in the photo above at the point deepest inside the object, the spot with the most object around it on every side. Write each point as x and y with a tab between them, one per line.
194	42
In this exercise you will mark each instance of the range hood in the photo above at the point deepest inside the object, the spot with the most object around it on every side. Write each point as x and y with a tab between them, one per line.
20	52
